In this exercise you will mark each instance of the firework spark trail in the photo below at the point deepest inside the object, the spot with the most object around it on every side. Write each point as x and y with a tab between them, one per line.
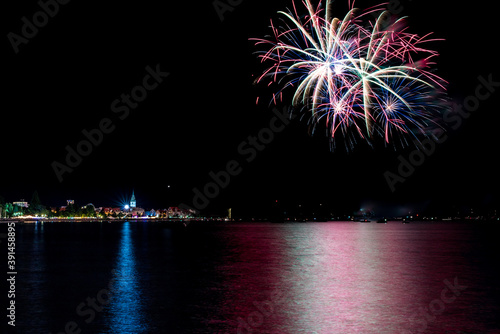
357	75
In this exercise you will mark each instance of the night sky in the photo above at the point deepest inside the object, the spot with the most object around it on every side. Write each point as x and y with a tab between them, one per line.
65	79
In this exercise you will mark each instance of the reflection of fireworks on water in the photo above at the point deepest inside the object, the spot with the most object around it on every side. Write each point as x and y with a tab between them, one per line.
357	75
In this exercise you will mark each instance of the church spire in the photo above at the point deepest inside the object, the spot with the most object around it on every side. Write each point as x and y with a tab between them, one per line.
133	202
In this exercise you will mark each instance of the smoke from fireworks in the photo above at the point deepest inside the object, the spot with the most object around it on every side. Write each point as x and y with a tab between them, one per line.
358	75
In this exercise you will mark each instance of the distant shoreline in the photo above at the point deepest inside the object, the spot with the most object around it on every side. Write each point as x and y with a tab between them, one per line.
222	220
94	220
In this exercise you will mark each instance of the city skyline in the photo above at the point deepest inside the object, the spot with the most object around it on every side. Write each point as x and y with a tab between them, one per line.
279	208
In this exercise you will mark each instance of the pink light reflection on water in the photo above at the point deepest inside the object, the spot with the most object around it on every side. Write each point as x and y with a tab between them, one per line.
339	278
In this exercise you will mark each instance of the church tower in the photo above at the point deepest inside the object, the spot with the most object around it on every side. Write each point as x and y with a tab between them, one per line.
133	203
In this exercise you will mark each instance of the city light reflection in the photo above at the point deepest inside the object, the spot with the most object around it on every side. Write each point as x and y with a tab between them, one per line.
126	307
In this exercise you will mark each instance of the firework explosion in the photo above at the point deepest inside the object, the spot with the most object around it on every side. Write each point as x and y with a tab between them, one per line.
358	76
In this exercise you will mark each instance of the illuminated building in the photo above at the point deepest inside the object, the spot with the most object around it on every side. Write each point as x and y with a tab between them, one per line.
21	204
133	202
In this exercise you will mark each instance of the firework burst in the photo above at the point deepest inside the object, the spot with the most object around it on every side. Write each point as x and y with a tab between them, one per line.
356	74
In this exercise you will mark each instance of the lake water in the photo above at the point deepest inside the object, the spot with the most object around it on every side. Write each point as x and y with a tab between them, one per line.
337	277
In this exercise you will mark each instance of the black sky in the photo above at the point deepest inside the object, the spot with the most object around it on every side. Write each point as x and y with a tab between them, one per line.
66	77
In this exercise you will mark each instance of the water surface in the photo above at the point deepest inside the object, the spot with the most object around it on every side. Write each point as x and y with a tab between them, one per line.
338	277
